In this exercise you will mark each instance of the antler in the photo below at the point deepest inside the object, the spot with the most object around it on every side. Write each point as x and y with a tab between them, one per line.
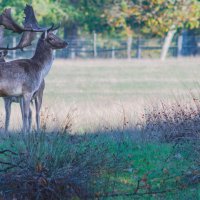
29	30
30	23
7	21
54	28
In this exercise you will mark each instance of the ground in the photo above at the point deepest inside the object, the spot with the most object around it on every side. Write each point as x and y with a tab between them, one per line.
125	119
100	92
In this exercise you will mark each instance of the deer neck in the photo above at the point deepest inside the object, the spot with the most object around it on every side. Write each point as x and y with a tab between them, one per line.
43	57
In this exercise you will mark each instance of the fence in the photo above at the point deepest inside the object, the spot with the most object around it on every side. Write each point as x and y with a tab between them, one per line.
99	47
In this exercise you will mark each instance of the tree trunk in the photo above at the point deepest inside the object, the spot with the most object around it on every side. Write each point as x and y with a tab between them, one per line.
71	34
70	31
192	43
167	42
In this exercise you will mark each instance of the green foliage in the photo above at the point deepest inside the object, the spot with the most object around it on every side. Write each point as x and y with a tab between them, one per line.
16	6
163	16
127	17
154	16
46	10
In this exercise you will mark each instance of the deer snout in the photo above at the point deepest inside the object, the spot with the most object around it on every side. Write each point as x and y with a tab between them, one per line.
66	43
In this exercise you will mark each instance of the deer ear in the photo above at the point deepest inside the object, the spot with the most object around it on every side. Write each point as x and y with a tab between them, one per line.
44	35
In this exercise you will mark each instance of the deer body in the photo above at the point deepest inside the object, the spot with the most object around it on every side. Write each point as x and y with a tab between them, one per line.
37	97
23	77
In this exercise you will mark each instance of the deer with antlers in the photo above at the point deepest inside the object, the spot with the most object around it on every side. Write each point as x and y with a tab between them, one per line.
24	77
37	98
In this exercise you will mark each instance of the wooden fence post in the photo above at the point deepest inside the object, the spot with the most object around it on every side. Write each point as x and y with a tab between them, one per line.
129	45
179	45
95	44
113	52
139	52
73	54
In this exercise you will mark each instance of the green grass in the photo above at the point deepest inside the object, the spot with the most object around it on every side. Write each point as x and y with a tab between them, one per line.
107	166
90	80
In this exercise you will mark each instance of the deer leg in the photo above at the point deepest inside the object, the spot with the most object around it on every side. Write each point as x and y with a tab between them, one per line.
29	119
22	112
22	108
38	104
7	104
26	107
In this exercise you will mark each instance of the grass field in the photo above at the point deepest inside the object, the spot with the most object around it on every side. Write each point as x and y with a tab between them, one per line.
126	119
97	166
101	80
95	91
100	90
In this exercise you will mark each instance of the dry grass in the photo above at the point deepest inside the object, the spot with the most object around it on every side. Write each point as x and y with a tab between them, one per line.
97	93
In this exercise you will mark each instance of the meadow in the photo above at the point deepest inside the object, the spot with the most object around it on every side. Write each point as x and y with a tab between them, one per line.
100	92
111	129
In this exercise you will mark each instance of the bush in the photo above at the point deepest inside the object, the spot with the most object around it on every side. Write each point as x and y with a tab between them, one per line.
55	166
173	122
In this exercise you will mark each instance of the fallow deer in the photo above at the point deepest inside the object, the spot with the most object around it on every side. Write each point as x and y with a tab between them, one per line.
37	98
23	78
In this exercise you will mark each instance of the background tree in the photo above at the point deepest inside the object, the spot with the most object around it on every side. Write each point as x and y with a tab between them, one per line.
158	18
165	18
155	17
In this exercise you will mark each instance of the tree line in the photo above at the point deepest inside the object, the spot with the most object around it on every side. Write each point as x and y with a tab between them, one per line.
114	18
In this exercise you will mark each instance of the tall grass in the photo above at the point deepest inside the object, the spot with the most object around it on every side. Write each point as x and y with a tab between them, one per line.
122	163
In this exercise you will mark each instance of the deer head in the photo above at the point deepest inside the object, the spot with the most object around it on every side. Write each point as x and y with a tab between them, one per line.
52	41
